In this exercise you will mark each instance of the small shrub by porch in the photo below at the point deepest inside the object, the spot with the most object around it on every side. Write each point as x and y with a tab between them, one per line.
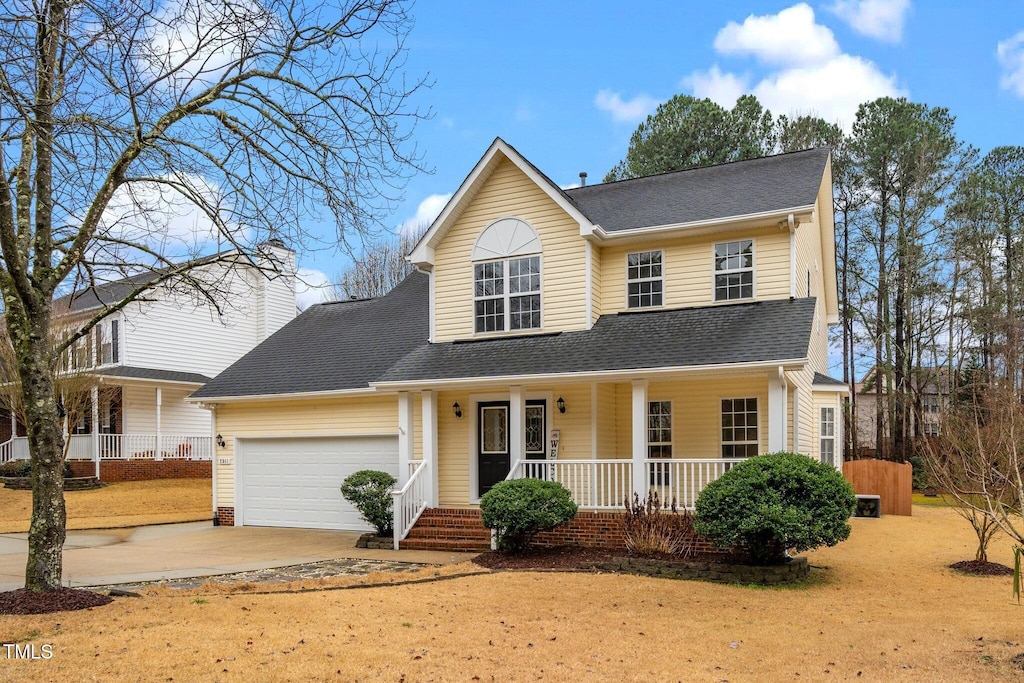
518	509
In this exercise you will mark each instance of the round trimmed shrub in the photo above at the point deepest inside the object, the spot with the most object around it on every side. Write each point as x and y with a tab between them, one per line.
520	508
777	501
370	492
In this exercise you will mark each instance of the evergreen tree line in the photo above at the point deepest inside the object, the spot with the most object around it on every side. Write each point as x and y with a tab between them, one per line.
929	236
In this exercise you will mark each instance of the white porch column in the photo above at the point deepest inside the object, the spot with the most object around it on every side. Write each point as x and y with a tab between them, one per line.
405	436
430	446
776	412
516	425
94	395
158	454
640	485
796	420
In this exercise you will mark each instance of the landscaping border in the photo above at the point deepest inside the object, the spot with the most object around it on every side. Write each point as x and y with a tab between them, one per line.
772	575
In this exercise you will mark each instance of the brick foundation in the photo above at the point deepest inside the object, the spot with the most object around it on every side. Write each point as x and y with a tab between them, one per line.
142	469
226	516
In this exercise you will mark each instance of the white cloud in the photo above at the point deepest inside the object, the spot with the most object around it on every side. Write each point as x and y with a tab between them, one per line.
523	113
723	88
426	212
789	37
312	287
832	90
820	79
625	111
879	19
1011	58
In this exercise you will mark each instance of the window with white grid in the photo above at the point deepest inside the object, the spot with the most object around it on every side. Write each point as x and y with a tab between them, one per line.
827	435
644	282
506	295
734	270
659	429
739	428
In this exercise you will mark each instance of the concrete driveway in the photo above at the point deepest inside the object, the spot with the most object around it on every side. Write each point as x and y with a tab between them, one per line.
175	551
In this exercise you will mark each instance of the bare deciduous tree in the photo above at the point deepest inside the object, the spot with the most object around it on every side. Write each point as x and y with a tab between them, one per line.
381	266
137	135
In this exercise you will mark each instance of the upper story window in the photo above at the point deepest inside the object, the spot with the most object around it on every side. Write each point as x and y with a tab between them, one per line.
107	334
644	283
734	270
507	277
930	403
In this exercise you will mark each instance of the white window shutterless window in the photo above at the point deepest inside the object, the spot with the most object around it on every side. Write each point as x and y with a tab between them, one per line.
506	295
659	440
506	277
739	428
827	435
734	270
644	280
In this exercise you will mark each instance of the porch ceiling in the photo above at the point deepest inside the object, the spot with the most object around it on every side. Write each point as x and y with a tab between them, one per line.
726	336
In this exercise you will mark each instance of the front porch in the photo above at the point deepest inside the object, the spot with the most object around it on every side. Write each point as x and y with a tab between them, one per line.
603	441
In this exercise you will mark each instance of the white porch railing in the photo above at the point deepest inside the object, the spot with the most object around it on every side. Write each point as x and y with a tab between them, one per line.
682	480
134	446
608	484
410	501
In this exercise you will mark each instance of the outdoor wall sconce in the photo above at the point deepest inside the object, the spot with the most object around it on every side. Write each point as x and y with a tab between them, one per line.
221	442
457	409
561	405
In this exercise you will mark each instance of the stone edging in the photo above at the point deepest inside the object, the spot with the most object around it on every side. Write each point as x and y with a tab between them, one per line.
372	540
794	570
70	483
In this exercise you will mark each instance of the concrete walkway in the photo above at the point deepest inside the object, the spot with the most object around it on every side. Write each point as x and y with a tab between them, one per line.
175	551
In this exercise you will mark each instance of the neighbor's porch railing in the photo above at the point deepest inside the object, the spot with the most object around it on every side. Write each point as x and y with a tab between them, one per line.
608	484
134	446
410	501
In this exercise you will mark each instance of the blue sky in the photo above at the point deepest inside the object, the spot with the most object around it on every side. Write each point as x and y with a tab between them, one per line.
567	83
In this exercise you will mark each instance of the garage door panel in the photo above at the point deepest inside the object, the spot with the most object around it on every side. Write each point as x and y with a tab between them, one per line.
297	482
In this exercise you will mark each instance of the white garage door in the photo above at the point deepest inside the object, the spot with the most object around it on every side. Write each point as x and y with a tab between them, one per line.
297	482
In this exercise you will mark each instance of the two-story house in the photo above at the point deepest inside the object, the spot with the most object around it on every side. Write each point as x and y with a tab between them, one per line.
613	337
143	361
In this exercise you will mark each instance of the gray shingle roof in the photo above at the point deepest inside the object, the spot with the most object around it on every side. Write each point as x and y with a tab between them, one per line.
825	379
714	335
131	372
774	183
331	347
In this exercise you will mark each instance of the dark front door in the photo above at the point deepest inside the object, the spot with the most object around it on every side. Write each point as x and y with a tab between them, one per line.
493	443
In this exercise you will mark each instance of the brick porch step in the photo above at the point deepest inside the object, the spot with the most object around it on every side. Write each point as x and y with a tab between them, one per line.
448	529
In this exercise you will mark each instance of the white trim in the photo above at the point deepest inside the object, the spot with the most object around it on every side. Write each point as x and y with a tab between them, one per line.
838	388
821	434
340	393
588	284
639	436
593	420
796	418
504	225
428	421
116	380
236	471
625	285
423	252
778	405
214	466
406	436
743	221
582	377
432	312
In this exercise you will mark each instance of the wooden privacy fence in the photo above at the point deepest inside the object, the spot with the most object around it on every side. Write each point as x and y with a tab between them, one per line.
893	481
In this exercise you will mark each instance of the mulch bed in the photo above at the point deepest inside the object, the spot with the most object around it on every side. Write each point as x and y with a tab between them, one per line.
571	557
24	601
980	568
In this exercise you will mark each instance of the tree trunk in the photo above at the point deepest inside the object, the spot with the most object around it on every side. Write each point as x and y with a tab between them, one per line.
30	334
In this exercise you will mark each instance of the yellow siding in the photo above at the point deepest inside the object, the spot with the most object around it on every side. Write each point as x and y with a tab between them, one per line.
363	415
809	255
508	192
453	447
607	425
596	283
689	268
803	379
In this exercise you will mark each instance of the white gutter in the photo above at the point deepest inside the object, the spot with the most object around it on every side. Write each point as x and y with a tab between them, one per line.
340	393
631	373
709	224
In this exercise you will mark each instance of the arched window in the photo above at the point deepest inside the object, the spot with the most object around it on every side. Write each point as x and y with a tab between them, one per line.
506	277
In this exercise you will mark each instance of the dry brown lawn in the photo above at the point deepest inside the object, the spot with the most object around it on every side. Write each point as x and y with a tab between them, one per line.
883	606
131	503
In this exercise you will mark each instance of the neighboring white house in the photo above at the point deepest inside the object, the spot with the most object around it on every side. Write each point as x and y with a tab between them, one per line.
150	355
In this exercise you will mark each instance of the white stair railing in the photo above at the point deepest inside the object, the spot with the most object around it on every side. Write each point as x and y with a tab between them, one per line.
6	451
409	502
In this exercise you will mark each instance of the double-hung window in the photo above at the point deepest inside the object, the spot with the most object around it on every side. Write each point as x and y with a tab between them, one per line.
734	270
506	295
828	435
659	440
644	283
739	428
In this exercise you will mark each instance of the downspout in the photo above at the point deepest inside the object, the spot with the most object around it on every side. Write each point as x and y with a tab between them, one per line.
792	255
